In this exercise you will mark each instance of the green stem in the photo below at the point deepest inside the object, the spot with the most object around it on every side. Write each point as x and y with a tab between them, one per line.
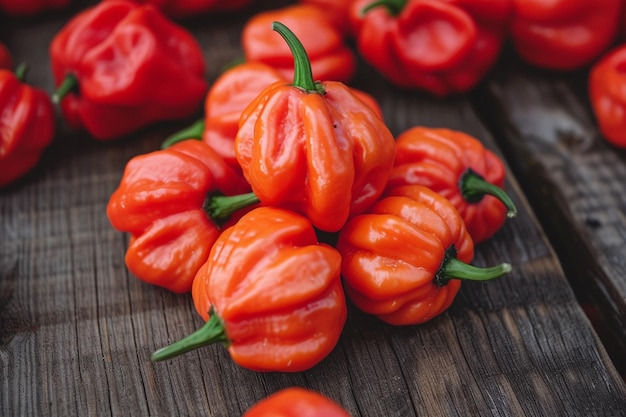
394	7
452	268
302	73
21	71
221	207
194	131
474	187
69	85
212	332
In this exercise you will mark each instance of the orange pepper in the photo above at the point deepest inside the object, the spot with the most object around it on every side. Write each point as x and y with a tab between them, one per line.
403	260
296	402
330	57
161	202
336	11
314	147
460	168
607	91
270	292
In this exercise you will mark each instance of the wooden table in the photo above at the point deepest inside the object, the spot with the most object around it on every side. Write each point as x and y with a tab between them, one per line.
77	330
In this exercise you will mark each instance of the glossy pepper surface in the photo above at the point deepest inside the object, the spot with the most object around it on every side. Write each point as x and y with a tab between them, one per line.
314	147
459	167
402	259
31	7
442	47
607	92
329	55
226	100
296	402
270	292
563	34
160	203
120	66
27	125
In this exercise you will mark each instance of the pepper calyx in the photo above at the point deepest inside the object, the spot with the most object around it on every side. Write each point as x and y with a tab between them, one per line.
474	187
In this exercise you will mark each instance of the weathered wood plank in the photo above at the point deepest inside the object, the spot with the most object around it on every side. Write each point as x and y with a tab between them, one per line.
573	177
77	330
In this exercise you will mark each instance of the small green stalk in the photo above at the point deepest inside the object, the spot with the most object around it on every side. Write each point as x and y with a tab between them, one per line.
394	7
21	71
452	268
194	131
302	73
69	85
474	187
221	207
212	332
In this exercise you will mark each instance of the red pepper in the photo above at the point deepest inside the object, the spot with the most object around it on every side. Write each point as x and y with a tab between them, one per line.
607	91
270	292
31	7
6	61
330	57
443	47
403	260
563	34
338	12
161	201
296	402
120	66
459	167
229	95
188	8
315	148
27	125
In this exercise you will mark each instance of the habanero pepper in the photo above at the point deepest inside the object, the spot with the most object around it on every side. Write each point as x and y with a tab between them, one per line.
229	95
27	125
403	260
163	202
120	66
270	292
330	57
337	12
459	167
314	147
180	9
443	47
31	7
563	34
607	92
296	402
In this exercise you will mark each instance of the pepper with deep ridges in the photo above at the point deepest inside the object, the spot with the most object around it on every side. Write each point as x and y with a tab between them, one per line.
314	147
163	203
270	292
120	66
27	124
460	168
296	402
403	260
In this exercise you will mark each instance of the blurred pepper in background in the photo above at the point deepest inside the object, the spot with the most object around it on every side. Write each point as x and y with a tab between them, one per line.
296	402
6	60
31	7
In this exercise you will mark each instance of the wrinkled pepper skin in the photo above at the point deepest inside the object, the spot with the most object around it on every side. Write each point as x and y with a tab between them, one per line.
27	126
130	66
23	8
446	161
330	57
159	202
440	46
563	34
296	402
274	292
6	60
403	260
315	148
607	92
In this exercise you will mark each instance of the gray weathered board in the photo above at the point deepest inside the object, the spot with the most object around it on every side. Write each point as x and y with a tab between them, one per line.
77	330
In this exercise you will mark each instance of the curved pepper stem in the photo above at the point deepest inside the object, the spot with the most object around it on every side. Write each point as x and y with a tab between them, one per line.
302	73
394	7
69	84
221	207
452	268
474	187
21	71
212	332
194	131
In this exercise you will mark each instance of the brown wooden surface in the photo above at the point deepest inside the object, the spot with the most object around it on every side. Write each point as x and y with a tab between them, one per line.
77	330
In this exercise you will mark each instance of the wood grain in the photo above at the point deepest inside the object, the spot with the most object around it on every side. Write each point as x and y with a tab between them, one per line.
77	330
